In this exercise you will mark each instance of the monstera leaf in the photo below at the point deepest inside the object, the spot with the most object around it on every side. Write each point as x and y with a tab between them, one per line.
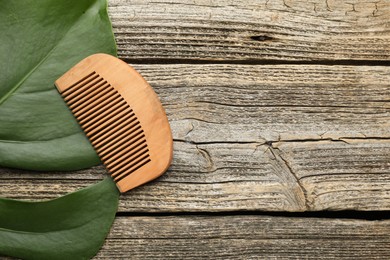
71	227
41	40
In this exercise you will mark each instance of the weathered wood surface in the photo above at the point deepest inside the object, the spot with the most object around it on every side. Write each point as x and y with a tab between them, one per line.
246	237
272	138
252	31
257	137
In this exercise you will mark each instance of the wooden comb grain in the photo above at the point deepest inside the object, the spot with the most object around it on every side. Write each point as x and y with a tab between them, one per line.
93	91
120	132
83	90
88	109
103	105
119	151
121	122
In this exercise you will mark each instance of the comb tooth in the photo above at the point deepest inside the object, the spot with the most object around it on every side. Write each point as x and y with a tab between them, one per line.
111	150
93	91
125	146
98	108
129	142
95	125
102	128
121	163
119	135
100	116
132	148
126	158
130	166
110	129
117	125
106	91
90	108
72	97
140	164
133	167
107	149
113	144
102	142
75	85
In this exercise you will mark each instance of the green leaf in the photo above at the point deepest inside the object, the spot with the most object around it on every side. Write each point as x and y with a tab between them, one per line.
70	227
41	40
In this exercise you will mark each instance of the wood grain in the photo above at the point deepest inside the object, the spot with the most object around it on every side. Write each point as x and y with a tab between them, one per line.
246	103
257	137
252	31
246	237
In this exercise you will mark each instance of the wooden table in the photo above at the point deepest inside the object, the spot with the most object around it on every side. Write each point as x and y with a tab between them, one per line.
280	112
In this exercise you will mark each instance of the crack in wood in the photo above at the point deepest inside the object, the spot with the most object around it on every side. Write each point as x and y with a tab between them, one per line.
261	38
206	155
374	13
249	61
276	142
328	6
308	204
187	135
343	214
353	8
277	154
286	5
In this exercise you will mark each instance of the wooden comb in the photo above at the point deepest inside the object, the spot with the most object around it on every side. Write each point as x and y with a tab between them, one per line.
122	117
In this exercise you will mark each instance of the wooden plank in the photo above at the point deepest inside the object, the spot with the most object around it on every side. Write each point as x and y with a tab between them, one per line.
337	175
246	237
251	31
272	138
296	176
239	178
258	103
